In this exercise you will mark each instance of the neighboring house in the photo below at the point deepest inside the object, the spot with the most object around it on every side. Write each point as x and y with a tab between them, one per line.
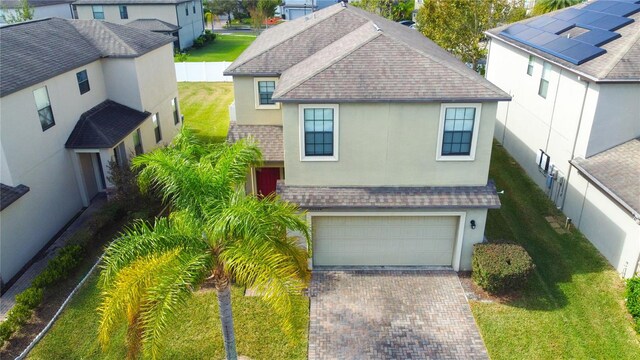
42	8
158	26
101	92
185	16
382	136
293	9
574	120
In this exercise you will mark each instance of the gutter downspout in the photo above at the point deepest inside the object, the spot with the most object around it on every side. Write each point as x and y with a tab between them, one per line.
575	143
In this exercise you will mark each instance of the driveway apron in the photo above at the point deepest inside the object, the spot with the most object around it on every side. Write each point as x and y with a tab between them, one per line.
388	314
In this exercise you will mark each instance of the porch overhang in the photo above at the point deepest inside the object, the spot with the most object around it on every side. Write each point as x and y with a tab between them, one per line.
269	138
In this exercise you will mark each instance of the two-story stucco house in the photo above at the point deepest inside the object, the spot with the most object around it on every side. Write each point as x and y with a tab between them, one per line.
574	121
41	8
382	136
74	95
184	18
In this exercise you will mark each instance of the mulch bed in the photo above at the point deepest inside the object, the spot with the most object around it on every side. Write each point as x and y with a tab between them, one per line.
476	293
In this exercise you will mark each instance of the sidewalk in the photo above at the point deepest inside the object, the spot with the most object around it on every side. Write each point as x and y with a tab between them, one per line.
7	300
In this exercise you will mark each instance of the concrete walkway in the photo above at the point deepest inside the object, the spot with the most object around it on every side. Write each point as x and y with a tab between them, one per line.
384	314
8	299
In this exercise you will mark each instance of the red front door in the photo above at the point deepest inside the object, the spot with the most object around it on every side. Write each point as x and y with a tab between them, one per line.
266	179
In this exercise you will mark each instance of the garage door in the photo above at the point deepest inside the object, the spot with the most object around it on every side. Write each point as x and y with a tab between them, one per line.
383	240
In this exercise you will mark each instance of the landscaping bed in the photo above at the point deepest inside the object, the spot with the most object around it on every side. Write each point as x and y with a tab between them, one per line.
573	306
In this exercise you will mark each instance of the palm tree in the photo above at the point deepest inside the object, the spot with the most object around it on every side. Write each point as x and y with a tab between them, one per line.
545	6
215	232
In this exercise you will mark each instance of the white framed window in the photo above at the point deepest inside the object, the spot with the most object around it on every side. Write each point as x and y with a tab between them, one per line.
458	132
124	13
98	12
530	65
319	124
156	127
137	142
263	89
43	104
544	80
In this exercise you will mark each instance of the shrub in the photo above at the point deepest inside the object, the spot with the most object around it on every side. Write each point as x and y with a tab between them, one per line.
19	314
181	57
81	237
209	36
6	329
31	298
633	300
199	42
59	267
498	268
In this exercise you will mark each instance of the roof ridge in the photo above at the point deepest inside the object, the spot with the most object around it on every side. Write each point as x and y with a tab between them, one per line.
333	61
232	67
618	57
120	40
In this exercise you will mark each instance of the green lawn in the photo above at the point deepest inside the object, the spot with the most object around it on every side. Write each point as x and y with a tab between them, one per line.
194	334
205	107
574	305
224	48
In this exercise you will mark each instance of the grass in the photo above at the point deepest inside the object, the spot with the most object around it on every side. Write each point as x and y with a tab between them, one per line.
194	333
224	48
573	306
205	107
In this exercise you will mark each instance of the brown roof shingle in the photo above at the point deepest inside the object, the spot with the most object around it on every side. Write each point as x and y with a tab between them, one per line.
9	194
269	138
314	197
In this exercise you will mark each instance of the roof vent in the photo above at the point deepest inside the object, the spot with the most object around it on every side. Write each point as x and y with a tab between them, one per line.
344	3
377	28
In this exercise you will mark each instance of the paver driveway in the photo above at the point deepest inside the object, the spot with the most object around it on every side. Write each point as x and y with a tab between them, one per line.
383	314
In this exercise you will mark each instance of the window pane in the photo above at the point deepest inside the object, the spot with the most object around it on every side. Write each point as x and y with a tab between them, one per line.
319	149
328	149
460	113
466	137
446	149
455	148
328	138
464	148
328	114
319	114
318	138
308	150
469	113
450	113
448	125
308	114
467	125
328	126
457	137
542	90
448	136
308	125
42	98
457	125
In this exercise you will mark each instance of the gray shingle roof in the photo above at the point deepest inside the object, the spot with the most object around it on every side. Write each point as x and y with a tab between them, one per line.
12	4
127	2
35	51
153	25
340	56
269	138
621	62
617	172
104	126
311	197
9	194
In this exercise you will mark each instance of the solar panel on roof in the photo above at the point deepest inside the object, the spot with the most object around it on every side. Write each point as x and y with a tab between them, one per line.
614	7
587	17
597	37
557	26
540	21
542	38
568	14
515	29
530	33
582	53
611	23
560	44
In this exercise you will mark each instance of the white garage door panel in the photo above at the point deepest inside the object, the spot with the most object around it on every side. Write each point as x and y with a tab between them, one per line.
383	240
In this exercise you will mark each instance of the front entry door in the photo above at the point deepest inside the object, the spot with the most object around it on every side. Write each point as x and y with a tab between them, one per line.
266	180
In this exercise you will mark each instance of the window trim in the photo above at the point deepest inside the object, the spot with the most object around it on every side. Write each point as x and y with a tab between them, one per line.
137	133
474	136
84	81
336	131
53	118
530	65
545	65
125	12
93	11
256	94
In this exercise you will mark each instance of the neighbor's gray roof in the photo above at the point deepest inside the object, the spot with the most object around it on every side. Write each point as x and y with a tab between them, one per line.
337	54
104	126
154	25
12	4
9	194
621	62
617	172
127	2
269	138
38	50
312	197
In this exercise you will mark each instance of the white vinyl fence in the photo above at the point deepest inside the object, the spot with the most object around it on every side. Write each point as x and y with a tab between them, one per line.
202	71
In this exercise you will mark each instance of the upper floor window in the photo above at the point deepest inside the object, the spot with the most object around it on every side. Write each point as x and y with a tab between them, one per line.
124	14
156	127
264	88
544	80
193	4
137	142
83	81
174	108
530	66
98	12
319	132
186	10
44	108
458	133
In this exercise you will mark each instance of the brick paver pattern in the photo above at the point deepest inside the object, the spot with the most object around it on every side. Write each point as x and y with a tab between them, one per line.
385	314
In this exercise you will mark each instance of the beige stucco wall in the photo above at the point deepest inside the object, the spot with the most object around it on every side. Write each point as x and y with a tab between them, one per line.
245	104
112	13
609	228
387	145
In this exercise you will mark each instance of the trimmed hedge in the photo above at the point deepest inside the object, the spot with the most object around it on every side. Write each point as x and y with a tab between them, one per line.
633	300
499	268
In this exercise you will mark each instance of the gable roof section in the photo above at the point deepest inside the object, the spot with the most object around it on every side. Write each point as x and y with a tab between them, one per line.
35	51
154	25
9	194
104	126
616	171
14	4
619	63
347	54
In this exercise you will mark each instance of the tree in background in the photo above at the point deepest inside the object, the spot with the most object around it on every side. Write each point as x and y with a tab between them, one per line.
222	7
260	10
395	10
458	26
545	6
23	13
